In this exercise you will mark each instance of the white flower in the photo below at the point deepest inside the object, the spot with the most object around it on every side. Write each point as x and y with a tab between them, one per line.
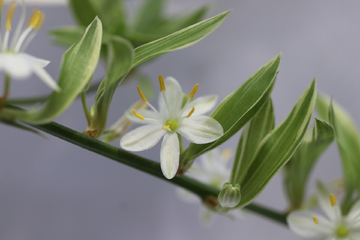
124	123
213	170
334	226
13	61
171	119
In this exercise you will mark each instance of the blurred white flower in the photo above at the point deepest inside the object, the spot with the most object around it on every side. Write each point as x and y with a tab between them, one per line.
213	170
172	119
334	226
13	61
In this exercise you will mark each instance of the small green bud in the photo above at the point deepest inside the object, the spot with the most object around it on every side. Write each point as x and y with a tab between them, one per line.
230	195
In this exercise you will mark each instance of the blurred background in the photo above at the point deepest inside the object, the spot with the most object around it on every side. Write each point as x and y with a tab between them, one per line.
50	189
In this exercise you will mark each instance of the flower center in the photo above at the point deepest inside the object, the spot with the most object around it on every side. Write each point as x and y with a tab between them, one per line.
342	231
172	124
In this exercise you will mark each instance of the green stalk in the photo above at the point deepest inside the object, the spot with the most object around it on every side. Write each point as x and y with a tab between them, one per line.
153	168
145	165
86	111
3	99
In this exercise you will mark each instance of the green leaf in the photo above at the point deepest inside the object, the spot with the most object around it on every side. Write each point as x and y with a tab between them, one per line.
298	169
67	35
347	138
145	84
149	14
78	65
119	59
151	24
238	108
178	40
254	131
110	12
22	127
277	147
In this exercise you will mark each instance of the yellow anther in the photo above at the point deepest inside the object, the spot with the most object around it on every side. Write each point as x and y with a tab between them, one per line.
141	94
10	14
226	154
192	93
191	112
34	19
166	127
161	83
315	220
1	3
333	200
138	115
41	21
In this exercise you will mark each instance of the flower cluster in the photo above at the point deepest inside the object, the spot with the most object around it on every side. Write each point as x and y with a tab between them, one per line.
173	118
334	226
13	61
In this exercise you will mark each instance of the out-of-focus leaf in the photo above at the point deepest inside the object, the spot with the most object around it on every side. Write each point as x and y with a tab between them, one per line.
277	147
298	169
119	59
145	85
178	40
152	25
78	65
254	131
149	15
22	127
238	108
67	35
110	12
347	138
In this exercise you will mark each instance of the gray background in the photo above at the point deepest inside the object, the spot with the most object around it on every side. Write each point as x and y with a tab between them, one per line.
50	189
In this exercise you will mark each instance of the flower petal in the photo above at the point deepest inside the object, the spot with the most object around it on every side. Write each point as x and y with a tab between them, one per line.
38	61
353	218
355	236
16	65
202	105
200	129
333	212
146	114
142	138
169	155
174	97
45	77
302	224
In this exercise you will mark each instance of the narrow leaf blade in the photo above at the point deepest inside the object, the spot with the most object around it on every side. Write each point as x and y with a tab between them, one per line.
178	40
278	146
253	133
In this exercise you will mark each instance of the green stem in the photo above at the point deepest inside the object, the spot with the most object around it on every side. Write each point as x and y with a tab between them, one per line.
181	143
3	99
145	165
86	111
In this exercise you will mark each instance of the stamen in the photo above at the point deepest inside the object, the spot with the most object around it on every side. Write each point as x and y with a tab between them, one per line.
191	112
141	94
10	14
33	22
41	21
161	83
333	200
166	127
1	3
138	115
315	220
192	93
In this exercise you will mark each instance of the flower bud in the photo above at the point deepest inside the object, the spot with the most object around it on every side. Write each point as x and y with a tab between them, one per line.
230	195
